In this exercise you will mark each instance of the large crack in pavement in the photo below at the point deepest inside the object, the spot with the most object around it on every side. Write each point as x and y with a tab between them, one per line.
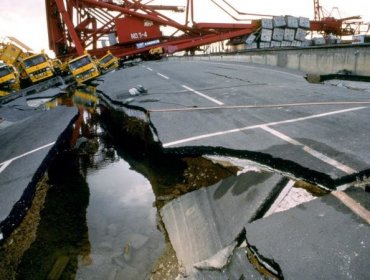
286	167
143	133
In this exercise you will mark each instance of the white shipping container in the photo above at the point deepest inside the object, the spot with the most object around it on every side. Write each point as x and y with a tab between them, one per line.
291	22
296	44
266	35
300	34
275	44
264	45
279	21
286	43
266	23
304	22
358	39
250	39
252	46
278	34
289	34
307	43
319	41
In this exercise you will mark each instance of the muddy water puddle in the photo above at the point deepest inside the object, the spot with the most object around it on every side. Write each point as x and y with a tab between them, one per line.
122	225
98	221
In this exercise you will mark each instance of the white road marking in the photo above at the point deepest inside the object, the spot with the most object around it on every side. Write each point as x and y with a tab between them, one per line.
6	163
352	204
346	169
173	143
163	76
150	69
203	95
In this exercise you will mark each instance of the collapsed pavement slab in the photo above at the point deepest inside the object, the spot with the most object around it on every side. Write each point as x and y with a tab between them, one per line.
27	146
319	239
202	223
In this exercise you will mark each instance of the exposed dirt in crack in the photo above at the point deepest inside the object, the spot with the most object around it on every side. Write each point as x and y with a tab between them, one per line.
20	240
311	188
199	172
62	234
267	268
167	266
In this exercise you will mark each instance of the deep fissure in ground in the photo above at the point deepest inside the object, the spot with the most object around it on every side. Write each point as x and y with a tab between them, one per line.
171	172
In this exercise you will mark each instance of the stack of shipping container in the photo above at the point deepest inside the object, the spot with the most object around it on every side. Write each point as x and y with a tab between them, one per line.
279	31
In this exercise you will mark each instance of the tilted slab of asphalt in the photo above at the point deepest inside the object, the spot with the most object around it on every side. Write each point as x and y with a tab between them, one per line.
27	145
203	222
192	104
319	239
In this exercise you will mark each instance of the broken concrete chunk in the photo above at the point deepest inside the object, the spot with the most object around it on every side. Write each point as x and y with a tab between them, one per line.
219	260
203	222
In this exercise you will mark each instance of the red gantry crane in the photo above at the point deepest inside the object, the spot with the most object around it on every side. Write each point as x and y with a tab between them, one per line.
130	26
325	23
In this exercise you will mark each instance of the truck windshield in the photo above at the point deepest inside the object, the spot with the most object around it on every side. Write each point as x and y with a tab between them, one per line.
29	62
107	58
79	63
4	71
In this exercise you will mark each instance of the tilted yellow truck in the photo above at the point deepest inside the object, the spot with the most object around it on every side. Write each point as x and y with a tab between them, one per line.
36	68
108	62
9	79
83	68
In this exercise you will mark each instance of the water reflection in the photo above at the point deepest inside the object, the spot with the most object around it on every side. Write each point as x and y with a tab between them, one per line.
122	227
62	234
98	221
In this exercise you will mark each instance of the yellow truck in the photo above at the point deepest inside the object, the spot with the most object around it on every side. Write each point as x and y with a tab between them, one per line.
108	62
83	68
155	53
10	54
36	68
9	79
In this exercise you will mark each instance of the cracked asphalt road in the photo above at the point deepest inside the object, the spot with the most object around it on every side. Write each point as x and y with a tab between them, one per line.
276	113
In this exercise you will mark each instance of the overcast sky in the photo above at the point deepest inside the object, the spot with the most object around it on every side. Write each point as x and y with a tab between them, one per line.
26	20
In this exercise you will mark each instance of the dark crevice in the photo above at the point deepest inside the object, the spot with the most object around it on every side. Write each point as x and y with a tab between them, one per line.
264	265
280	165
270	200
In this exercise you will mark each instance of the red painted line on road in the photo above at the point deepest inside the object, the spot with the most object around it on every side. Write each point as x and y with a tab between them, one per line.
352	204
344	103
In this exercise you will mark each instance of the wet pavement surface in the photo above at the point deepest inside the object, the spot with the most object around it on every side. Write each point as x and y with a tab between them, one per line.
177	171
